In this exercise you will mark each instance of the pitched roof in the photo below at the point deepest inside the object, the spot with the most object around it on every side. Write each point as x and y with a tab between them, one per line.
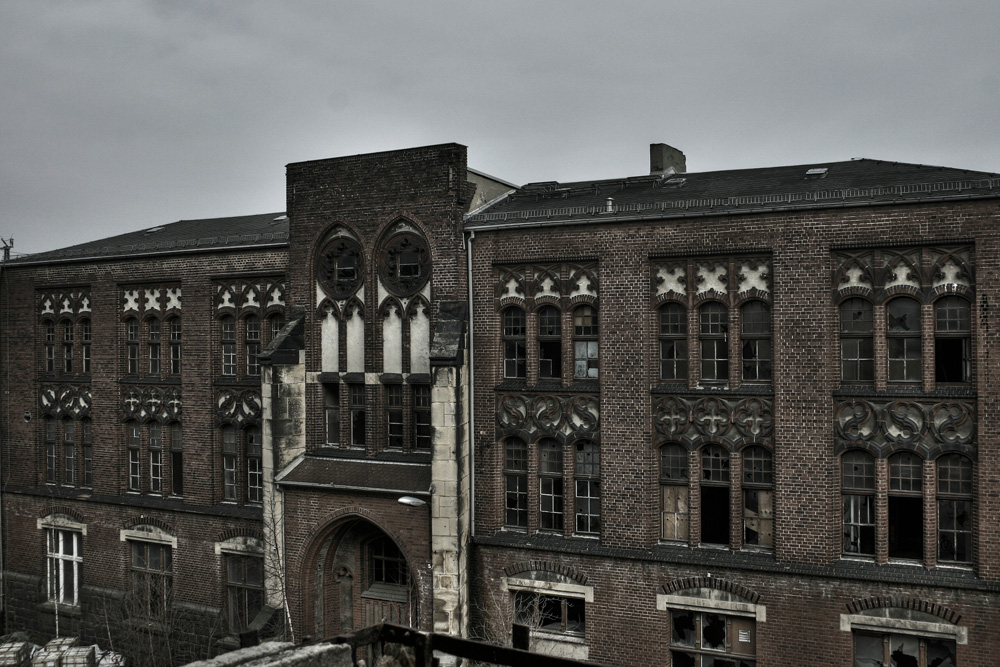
256	231
854	182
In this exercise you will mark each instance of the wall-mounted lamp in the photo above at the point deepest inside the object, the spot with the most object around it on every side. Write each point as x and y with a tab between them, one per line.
411	501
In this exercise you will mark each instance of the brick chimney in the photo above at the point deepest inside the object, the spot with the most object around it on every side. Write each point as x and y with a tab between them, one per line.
664	158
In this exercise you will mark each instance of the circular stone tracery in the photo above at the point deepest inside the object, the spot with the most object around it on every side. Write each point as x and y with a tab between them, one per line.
404	264
340	267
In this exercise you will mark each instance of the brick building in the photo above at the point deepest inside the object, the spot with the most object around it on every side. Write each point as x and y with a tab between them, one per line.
719	418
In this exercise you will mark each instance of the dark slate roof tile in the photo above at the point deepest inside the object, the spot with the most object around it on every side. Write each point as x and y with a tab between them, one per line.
735	191
266	229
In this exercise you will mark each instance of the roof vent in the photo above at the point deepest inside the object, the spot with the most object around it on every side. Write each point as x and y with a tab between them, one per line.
818	172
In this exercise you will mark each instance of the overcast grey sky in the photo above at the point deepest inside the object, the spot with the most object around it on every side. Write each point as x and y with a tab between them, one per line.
121	115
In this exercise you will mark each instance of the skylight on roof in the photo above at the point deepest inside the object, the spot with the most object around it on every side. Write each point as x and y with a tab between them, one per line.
153	230
817	172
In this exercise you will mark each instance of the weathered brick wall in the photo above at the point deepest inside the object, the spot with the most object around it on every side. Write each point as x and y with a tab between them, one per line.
199	519
806	375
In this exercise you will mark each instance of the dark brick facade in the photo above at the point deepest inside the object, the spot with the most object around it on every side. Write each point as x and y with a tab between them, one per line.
804	580
718	494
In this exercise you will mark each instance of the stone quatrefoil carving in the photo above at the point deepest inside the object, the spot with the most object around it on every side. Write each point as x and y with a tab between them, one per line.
151	403
730	420
549	413
65	401
892	424
238	407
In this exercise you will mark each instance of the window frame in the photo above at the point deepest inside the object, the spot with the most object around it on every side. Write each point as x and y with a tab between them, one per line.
859	518
515	474
756	348
57	561
904	345
713	335
549	341
513	333
857	343
955	480
673	337
675	480
716	481
551	486
586	342
952	324
758	491
587	487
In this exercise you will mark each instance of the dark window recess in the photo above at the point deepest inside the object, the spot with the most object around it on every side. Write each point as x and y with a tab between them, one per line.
715	496
549	343
358	415
513	343
906	507
952	340
394	415
422	416
331	397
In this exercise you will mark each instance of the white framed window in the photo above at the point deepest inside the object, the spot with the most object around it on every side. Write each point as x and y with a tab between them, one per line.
63	558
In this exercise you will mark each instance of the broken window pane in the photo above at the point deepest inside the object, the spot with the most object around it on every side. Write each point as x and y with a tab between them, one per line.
713	632
682	630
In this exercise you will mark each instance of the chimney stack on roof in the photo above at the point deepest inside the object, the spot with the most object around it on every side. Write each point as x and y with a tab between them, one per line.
664	159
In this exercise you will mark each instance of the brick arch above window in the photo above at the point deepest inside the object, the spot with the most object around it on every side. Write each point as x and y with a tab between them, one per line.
699	587
152	523
533	568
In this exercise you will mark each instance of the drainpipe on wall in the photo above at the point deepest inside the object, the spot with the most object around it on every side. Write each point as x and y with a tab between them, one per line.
472	392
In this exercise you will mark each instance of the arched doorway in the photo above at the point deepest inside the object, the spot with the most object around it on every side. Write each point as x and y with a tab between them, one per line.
360	577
